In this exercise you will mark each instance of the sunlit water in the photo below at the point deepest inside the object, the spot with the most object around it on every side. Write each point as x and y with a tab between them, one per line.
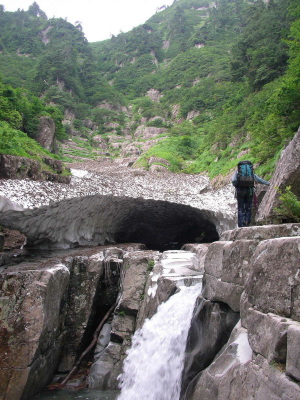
154	364
85	394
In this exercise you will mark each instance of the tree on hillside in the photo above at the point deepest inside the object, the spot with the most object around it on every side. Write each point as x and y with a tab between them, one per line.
35	10
260	55
288	97
180	30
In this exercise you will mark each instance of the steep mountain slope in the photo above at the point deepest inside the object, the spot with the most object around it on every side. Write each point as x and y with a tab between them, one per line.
218	81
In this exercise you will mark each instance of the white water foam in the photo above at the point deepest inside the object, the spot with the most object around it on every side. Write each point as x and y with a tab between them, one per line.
154	364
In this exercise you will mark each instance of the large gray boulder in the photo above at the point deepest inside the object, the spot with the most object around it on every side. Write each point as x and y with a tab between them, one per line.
276	264
226	269
46	133
32	311
237	373
287	173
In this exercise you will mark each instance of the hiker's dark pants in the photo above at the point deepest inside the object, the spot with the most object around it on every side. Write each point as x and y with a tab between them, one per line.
244	200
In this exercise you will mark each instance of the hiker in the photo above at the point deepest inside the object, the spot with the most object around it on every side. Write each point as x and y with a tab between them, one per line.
243	180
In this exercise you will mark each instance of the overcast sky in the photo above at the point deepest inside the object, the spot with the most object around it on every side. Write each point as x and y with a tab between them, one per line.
99	18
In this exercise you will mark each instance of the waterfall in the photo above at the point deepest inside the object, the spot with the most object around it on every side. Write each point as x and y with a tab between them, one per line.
154	363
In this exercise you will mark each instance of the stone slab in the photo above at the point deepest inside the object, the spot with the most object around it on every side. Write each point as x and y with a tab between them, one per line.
262	232
268	335
293	352
213	264
275	277
216	290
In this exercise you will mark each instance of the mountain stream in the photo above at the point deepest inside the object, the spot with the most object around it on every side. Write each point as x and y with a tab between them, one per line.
154	364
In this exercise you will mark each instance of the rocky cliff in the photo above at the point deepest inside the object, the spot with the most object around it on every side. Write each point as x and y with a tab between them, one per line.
243	340
255	273
13	167
244	337
49	310
287	173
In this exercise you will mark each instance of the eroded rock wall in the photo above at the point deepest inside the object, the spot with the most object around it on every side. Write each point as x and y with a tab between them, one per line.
48	311
108	363
31	327
256	272
150	278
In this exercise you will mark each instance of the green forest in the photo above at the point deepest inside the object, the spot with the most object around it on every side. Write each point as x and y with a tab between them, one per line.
231	68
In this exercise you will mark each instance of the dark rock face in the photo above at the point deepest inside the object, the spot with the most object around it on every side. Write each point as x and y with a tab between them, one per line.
97	220
108	364
210	329
13	167
1	241
46	133
85	274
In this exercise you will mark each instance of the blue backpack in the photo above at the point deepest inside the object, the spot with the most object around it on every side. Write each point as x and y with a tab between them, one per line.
245	174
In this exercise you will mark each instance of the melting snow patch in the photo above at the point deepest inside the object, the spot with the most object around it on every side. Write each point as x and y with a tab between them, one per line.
152	289
244	351
79	173
98	257
58	267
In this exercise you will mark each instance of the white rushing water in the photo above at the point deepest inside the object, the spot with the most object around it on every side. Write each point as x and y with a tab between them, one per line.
153	367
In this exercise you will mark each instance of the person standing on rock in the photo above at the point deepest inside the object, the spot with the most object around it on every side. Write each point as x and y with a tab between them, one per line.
243	180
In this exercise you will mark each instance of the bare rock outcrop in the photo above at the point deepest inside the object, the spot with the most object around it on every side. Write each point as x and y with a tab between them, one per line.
254	271
148	132
154	94
108	364
13	167
46	133
287	173
49	309
32	310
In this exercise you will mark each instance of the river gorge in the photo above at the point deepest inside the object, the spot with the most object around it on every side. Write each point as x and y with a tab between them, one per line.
213	319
